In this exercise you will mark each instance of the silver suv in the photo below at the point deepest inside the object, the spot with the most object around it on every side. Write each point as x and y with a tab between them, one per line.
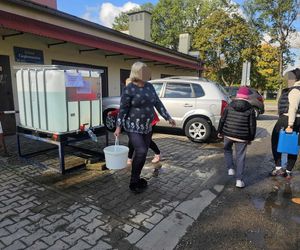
196	104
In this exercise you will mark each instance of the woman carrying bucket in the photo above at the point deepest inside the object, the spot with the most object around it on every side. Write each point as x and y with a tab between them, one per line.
289	119
153	145
136	114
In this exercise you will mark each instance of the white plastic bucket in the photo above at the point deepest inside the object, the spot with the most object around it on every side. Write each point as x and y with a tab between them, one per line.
116	156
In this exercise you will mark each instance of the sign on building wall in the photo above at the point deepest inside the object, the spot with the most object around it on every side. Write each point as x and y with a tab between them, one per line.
27	55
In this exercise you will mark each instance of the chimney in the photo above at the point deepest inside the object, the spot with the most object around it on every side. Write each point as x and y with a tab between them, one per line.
140	25
49	3
184	43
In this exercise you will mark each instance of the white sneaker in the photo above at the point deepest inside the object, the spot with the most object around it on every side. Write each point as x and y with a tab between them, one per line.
239	184
231	171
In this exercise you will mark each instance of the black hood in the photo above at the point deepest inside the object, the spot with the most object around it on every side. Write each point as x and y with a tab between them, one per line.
240	105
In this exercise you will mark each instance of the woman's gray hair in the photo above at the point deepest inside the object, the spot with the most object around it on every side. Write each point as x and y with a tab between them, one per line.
136	73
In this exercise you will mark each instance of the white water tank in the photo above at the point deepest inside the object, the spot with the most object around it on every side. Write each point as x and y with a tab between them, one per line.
58	99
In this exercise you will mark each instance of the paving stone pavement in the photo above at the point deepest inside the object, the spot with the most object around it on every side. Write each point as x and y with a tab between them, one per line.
93	209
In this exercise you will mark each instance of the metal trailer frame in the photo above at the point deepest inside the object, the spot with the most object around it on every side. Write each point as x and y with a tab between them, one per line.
62	139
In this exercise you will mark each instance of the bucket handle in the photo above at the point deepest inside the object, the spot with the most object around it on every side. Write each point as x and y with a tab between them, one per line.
116	142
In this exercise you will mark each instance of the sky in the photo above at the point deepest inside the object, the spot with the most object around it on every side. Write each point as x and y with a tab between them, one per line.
104	12
100	11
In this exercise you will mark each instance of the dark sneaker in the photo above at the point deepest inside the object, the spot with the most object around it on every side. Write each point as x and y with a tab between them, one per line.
142	183
136	188
278	172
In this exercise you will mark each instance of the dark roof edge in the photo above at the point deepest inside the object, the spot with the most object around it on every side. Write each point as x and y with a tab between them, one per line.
140	11
59	13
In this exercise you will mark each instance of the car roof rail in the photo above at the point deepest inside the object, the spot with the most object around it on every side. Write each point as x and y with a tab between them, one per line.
188	78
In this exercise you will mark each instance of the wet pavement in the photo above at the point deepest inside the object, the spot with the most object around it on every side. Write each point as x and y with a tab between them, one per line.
258	217
263	215
93	209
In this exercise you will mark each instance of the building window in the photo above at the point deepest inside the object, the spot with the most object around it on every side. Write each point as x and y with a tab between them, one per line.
124	74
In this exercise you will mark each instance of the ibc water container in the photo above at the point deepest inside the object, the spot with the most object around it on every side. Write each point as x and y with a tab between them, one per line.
59	99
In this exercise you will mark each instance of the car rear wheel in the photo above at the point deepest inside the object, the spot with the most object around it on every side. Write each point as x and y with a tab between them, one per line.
197	129
109	121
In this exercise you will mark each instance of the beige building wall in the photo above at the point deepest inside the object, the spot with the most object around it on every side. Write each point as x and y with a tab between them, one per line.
70	52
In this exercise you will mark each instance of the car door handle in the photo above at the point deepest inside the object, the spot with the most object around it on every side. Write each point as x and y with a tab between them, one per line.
188	105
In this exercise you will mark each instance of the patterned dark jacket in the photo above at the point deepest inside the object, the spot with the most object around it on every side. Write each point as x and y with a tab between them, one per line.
137	108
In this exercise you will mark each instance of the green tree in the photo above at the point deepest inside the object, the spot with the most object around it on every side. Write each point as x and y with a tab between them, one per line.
173	17
196	11
274	18
225	40
264	73
170	18
167	23
121	21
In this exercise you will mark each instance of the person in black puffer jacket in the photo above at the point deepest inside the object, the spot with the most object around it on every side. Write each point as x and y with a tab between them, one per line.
237	126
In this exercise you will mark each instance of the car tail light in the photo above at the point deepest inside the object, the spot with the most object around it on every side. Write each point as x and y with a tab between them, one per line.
55	137
260	98
223	106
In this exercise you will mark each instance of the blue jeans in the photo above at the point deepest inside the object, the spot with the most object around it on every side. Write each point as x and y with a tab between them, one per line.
240	151
140	143
283	123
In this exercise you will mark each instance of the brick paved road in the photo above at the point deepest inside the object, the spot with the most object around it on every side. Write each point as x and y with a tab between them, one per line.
93	209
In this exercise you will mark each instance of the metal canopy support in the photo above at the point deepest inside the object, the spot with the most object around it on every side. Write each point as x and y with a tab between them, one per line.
15	34
116	54
132	58
58	43
199	71
86	50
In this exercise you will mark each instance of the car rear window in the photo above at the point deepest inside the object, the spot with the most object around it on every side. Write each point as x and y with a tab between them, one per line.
178	90
198	90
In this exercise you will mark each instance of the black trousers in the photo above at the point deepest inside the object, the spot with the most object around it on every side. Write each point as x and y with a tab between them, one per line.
140	143
282	122
153	146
